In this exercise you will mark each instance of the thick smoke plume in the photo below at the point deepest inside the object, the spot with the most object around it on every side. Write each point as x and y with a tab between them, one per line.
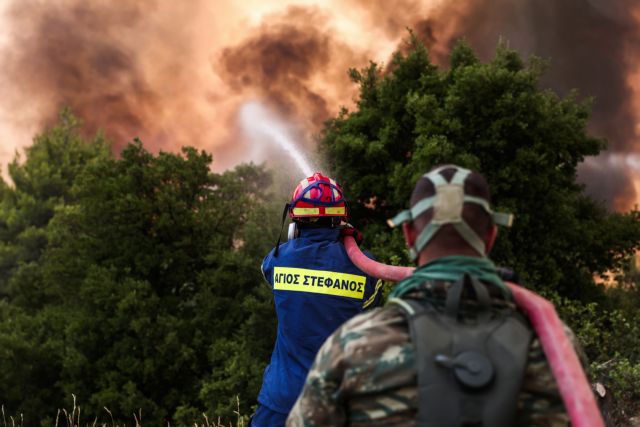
301	70
135	69
176	73
592	45
282	59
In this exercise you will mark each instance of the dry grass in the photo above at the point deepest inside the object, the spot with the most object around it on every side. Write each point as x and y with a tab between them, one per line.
65	418
12	419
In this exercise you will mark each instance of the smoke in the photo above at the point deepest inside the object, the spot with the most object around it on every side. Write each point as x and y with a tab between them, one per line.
176	73
170	73
138	69
592	45
301	70
279	62
608	179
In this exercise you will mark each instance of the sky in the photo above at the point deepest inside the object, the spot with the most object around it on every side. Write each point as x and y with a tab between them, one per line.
178	73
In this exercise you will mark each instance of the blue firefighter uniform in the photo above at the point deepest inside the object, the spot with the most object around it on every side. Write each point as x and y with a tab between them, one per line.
316	289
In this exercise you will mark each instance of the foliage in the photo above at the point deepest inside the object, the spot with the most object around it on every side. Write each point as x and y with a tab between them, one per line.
133	282
611	341
76	417
145	288
493	118
40	184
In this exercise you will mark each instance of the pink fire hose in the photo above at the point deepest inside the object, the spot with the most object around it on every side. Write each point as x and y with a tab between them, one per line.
572	382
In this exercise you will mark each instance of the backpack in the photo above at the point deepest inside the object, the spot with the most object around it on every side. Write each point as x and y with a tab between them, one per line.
470	364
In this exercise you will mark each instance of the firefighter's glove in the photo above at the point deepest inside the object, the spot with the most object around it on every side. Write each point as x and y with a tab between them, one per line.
350	230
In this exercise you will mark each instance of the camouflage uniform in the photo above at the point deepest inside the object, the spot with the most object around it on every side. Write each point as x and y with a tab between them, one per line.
364	375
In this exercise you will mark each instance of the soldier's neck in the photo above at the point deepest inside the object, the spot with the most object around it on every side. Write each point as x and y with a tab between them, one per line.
431	253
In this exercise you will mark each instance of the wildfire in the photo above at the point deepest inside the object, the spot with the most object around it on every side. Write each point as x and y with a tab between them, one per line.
176	73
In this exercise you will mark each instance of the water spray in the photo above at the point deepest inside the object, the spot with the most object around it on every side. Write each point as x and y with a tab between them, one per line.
259	123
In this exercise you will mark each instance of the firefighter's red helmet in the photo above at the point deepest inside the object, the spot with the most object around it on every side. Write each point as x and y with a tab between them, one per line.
317	196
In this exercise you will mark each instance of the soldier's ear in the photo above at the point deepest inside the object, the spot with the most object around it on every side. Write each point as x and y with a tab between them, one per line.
409	233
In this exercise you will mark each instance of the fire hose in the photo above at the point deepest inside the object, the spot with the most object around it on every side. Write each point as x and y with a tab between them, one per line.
565	365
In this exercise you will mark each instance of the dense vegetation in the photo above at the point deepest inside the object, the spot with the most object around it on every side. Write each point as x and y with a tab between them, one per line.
494	118
130	282
133	281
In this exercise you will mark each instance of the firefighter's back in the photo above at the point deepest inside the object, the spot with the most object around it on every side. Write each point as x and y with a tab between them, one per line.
316	289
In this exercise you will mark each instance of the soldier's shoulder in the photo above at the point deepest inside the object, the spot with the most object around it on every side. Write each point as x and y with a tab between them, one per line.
375	318
380	325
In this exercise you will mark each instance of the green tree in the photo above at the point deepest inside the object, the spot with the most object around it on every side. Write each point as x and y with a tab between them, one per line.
494	118
142	288
31	320
152	261
31	359
41	184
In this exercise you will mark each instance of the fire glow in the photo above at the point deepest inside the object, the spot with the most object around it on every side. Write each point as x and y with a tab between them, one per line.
177	73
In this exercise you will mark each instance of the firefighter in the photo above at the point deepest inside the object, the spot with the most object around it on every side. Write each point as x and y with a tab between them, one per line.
316	288
449	348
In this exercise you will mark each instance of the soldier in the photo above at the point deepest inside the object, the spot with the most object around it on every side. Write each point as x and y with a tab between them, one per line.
316	289
450	347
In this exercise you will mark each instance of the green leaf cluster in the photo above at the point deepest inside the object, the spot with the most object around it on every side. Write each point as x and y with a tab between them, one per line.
495	118
131	282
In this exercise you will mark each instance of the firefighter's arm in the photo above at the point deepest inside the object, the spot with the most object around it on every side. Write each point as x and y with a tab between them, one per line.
267	269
